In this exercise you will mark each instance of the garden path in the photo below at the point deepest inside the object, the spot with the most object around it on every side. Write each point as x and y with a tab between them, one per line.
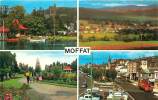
51	92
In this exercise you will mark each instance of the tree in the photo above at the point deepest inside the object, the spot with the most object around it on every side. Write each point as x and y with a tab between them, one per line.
17	12
57	72
35	24
38	66
74	65
111	74
8	64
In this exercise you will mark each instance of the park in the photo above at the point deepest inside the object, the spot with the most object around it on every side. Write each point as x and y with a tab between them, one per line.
36	27
21	81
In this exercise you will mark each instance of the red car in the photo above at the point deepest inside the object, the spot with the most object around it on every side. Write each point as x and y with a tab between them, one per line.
145	85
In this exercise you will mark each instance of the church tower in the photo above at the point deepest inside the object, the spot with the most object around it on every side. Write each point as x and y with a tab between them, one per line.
109	62
38	66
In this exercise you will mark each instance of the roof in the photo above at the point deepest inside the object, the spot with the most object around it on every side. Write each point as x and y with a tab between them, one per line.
67	68
22	27
5	29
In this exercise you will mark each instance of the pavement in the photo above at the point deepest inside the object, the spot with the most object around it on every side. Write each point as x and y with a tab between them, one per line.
50	92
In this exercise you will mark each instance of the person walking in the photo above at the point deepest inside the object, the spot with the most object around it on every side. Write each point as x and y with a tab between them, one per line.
28	77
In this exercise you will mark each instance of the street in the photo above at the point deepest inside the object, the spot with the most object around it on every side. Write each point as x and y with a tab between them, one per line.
135	92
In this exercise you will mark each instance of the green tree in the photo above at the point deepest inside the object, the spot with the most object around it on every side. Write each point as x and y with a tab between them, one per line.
111	74
38	67
35	24
57	72
17	12
74	65
8	64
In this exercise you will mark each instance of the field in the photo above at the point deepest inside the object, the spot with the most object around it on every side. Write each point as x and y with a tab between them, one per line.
120	45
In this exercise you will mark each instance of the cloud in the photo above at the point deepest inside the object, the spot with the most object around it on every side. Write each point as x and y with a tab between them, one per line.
45	57
116	3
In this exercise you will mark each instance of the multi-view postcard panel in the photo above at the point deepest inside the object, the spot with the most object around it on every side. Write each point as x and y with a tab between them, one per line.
119	75
31	75
34	34
119	24
37	24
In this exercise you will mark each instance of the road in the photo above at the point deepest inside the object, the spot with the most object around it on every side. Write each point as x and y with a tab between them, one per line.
135	92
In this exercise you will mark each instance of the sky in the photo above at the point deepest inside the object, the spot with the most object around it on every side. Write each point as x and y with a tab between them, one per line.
102	56
45	57
115	3
32	4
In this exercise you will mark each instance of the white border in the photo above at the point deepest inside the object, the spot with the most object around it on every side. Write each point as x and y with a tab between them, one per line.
78	25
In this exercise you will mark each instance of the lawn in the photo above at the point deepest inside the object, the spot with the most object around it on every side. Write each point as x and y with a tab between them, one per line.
117	45
63	38
97	36
13	82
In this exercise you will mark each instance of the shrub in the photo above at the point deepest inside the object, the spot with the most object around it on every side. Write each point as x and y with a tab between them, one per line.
93	38
105	38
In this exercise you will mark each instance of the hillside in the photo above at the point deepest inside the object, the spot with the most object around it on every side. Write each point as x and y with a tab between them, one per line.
63	11
133	13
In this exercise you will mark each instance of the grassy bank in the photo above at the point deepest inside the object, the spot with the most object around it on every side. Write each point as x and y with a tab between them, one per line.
52	38
100	43
97	36
62	38
13	83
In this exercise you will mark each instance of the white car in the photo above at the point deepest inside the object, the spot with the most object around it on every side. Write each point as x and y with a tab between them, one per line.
94	90
117	95
89	97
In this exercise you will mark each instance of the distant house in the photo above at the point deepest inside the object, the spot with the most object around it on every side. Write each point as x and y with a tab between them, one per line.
121	62
68	69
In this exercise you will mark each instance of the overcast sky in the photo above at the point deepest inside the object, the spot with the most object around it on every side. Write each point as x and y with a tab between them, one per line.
102	56
45	57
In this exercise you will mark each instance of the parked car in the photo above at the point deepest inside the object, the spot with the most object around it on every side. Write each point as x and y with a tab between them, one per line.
89	97
94	90
117	95
84	84
146	85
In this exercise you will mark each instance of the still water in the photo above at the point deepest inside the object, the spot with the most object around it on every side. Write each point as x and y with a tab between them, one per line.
27	45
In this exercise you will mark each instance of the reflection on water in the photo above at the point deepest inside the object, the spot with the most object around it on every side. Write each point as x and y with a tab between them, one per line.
26	45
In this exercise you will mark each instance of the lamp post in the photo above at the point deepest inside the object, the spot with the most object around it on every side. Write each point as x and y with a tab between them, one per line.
91	76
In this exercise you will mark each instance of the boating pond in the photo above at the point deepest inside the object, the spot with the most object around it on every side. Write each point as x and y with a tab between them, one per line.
27	45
